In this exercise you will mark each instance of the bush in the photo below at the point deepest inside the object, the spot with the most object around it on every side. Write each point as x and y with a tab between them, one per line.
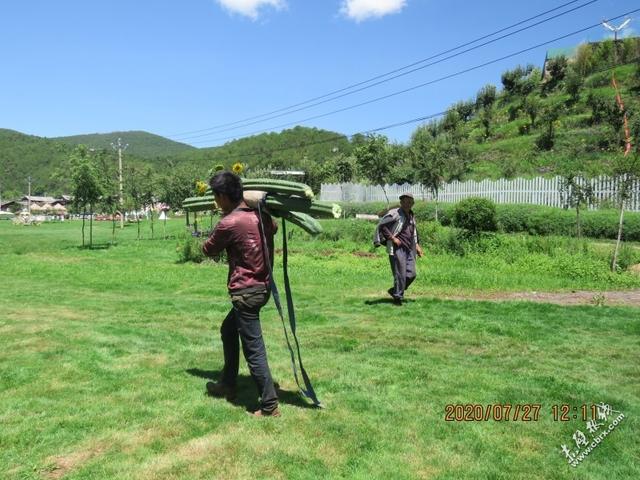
545	140
532	219
602	79
190	250
627	256
475	215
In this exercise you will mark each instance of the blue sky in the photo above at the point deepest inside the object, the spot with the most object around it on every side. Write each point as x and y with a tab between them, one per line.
167	67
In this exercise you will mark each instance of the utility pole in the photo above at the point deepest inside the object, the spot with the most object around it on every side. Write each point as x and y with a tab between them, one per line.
120	148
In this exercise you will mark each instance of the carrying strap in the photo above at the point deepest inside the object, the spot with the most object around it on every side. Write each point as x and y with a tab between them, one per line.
308	391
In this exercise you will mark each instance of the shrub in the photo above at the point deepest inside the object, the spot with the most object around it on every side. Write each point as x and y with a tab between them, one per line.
627	256
533	219
190	250
475	215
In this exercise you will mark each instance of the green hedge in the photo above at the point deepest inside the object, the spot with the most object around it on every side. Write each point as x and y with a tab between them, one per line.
533	219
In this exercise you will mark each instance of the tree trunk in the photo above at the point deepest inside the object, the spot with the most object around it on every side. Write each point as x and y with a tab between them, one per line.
113	227
151	217
84	214
436	195
614	262
138	223
90	225
164	226
385	194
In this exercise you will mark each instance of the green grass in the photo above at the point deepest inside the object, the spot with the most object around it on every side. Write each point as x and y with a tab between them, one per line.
105	353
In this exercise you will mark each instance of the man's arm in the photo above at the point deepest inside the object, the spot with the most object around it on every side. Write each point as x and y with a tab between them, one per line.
217	241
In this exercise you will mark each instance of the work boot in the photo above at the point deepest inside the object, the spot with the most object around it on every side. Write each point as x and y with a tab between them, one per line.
264	413
221	390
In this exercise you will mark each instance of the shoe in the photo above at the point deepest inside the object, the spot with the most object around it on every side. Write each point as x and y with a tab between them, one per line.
390	292
263	413
397	301
221	390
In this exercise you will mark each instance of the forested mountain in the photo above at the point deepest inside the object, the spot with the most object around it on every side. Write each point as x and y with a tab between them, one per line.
141	144
533	124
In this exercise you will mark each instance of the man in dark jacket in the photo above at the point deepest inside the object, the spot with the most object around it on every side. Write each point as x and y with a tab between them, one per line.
239	233
401	235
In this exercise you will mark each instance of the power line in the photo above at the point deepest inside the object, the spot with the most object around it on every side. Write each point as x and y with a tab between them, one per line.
375	130
292	108
415	87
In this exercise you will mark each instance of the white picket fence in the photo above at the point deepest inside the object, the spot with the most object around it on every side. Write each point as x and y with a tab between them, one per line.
537	191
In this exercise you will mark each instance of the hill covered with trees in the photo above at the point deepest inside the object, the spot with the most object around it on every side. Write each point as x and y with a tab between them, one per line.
141	144
569	118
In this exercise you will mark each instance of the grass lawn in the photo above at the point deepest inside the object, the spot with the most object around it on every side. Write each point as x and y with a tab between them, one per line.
105	353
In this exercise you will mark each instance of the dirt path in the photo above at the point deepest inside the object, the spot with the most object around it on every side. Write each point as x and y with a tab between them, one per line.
628	298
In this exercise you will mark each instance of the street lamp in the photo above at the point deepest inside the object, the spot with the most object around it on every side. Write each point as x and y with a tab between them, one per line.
615	31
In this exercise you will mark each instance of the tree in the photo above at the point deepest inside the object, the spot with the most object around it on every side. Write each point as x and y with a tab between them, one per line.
583	60
556	70
514	80
577	191
432	157
572	84
177	185
451	121
148	193
465	110
549	117
531	106
86	188
635	78
626	169
486	96
109	186
400	162
373	160
344	168
134	192
486	120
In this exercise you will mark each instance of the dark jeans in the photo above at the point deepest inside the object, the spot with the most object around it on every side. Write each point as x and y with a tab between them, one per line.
243	322
403	268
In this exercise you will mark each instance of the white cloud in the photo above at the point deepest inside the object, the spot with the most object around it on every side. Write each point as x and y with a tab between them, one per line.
250	8
360	10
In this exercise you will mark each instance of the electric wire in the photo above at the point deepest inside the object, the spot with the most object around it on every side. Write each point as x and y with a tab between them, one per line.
415	87
235	125
372	130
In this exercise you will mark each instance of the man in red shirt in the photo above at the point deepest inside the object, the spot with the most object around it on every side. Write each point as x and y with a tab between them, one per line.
239	233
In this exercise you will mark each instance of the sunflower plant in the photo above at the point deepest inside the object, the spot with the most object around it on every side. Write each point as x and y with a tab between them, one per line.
237	168
201	188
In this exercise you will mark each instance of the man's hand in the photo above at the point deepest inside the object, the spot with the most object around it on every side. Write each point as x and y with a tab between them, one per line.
419	251
395	241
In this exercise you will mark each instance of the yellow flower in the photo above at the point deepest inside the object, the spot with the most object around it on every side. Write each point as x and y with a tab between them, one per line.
201	188
237	168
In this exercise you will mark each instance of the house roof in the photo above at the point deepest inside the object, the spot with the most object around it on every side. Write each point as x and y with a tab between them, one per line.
35	198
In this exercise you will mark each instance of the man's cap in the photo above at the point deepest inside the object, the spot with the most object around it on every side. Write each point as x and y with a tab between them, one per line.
407	194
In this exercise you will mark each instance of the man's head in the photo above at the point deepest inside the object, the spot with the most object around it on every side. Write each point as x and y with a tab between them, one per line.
227	190
406	202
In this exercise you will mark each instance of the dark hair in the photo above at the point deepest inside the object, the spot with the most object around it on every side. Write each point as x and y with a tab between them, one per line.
227	183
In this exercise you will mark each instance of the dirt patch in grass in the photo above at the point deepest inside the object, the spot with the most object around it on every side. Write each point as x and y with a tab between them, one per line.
626	298
61	465
365	254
